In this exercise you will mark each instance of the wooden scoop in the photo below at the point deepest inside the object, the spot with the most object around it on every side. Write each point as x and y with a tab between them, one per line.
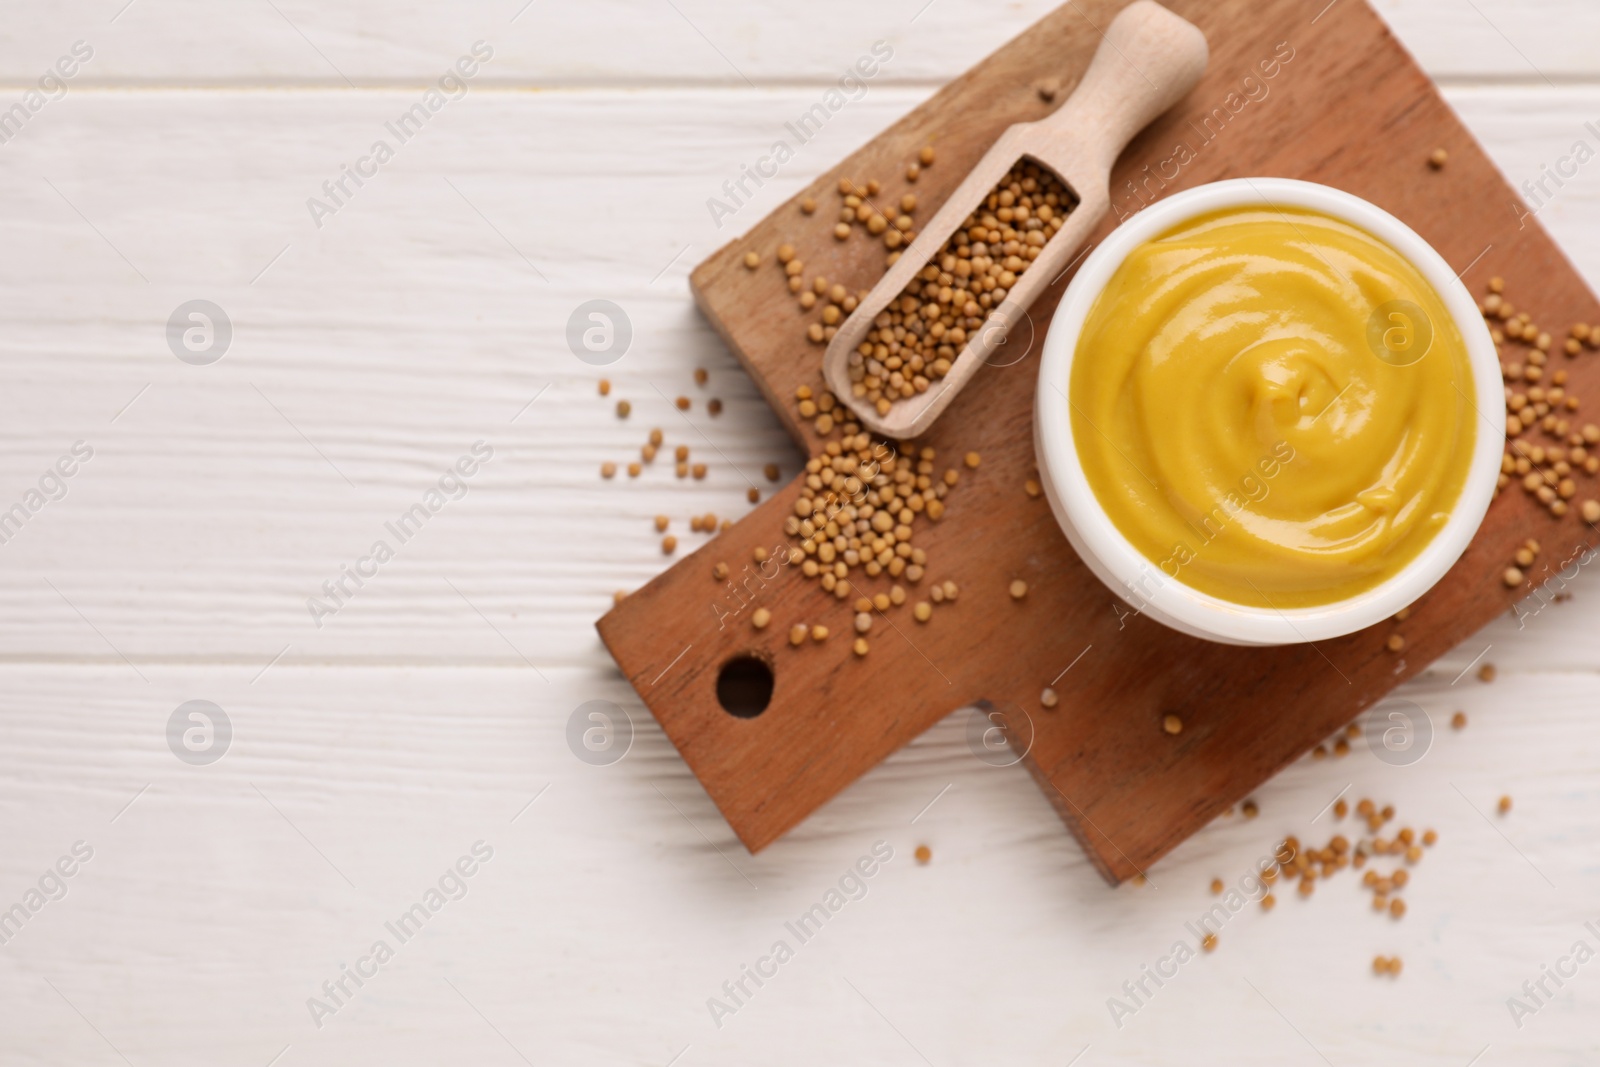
1147	60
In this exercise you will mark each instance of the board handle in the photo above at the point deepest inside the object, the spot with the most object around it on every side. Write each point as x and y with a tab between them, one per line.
1147	61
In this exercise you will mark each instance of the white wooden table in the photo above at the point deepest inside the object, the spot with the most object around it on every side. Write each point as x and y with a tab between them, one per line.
369	754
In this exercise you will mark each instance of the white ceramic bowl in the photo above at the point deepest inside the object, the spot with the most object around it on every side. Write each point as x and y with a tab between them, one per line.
1127	571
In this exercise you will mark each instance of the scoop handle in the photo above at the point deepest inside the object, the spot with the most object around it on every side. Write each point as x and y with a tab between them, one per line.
1147	60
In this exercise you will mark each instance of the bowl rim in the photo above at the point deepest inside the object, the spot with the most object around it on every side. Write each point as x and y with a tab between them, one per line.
1137	579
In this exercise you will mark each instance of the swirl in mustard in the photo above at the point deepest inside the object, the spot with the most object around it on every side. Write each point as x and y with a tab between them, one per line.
1273	406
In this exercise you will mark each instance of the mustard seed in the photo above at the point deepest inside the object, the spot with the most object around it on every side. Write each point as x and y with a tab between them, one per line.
1397	907
1504	806
1591	511
669	545
797	634
1032	488
1438	158
819	634
714	407
1395	643
1512	577
922	611
1430	838
605	386
624	409
807	206
753	495
860	647
1268	901
785	254
1018	589
972	460
1048	698
1486	673
752	260
863	622
720	572
1171	724
923	854
608	470
760	619
1340	808
1250	809
661	523
1216	887
698	470
925	157
913	171
634	470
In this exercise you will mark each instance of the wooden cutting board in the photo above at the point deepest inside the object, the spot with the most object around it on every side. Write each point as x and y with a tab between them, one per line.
1346	106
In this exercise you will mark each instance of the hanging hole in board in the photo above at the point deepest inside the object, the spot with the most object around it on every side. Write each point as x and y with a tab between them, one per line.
744	686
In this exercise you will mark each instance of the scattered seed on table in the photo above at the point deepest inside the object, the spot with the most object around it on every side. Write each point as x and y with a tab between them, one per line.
1512	577
973	459
624	409
1032	488
1430	838
1216	887
1486	673
1268	901
681	470
1171	724
1591	511
785	253
701	375
1341	748
608	470
1049	698
922	611
950	590
1395	643
669	545
714	407
1250	809
720	572
807	205
925	157
619	596
1504	806
797	634
634	470
753	495
760	619
1018	589
683	403
1458	721
819	633
1340	808
758	554
1397	907
1209	943
771	471
656	438
698	470
661	523
1438	159
860	647
752	260
913	171
605	386
924	854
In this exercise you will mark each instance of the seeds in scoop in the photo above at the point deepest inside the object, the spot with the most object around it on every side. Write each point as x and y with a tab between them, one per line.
624	409
923	854
1438	158
1018	589
760	619
752	260
797	634
1049	698
1504	806
1171	724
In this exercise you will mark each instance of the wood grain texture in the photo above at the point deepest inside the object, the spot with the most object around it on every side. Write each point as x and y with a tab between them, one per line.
1127	791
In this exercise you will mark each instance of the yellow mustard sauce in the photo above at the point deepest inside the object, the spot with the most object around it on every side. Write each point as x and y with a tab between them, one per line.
1273	406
